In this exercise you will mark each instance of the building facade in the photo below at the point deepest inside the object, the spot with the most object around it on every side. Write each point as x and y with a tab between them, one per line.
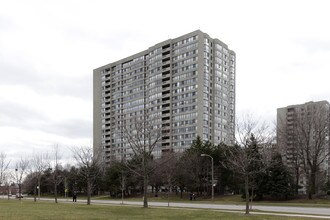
303	135
185	85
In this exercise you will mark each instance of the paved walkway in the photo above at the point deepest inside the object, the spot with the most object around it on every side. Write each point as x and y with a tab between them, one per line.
283	209
307	212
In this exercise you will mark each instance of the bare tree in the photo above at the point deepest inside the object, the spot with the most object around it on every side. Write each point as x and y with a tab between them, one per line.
241	157
21	167
4	165
89	168
311	133
142	137
165	170
39	163
56	164
185	174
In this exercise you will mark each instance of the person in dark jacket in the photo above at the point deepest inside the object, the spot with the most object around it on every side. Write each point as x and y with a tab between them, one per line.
74	197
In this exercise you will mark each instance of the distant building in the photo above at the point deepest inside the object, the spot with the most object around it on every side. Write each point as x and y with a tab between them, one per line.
9	189
186	85
302	127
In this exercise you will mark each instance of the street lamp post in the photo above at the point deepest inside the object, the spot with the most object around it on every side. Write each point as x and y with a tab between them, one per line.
38	188
206	155
19	184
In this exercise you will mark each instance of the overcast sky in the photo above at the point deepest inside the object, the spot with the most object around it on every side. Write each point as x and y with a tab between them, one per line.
48	50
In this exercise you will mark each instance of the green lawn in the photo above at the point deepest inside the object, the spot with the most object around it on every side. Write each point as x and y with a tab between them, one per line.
29	210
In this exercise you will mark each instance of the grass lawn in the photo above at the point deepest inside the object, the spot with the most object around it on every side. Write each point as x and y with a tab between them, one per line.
29	210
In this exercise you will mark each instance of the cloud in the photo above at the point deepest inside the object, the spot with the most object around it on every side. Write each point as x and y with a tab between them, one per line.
15	115
314	45
48	51
30	120
45	81
73	128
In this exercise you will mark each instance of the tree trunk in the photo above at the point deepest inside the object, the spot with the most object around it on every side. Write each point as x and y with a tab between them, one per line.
89	189
313	181
55	191
145	189
247	196
35	193
310	195
20	191
39	189
181	192
297	180
309	189
309	185
252	195
312	184
8	191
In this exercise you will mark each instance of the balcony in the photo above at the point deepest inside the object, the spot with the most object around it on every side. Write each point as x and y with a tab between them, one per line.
166	74
166	124
166	86
165	69
166	55
165	66
165	59
166	93
166	79
166	121
165	108
164	111
166	139
166	131
166	48
166	144
165	99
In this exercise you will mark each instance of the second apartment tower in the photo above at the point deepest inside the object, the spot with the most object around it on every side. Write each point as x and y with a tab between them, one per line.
185	85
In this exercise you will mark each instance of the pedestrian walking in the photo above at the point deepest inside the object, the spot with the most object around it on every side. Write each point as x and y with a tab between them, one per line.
74	197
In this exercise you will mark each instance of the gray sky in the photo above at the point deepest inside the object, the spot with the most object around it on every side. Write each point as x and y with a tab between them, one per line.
48	50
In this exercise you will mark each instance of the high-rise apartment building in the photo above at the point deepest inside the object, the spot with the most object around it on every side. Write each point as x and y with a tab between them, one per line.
185	85
303	135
